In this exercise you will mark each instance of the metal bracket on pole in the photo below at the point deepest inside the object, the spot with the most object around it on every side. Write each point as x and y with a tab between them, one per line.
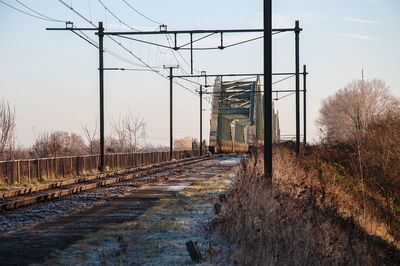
221	47
176	48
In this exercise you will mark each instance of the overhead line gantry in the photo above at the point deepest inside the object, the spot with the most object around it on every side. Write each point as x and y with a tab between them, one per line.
267	31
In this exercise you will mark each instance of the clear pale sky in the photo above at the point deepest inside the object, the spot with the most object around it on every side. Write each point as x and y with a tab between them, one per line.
52	80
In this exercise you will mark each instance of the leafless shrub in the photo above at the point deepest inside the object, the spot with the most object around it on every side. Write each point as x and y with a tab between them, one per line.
128	131
90	135
58	143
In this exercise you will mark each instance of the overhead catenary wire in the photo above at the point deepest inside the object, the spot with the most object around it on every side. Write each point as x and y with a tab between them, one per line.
199	39
150	67
113	54
84	38
281	80
169	40
126	49
116	17
182	69
195	48
38	16
90	9
235	44
94	25
243	42
76	12
141	14
146	42
38	13
282	97
191	81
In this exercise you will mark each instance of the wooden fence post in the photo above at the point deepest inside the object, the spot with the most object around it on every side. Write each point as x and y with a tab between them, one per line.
77	165
29	170
38	172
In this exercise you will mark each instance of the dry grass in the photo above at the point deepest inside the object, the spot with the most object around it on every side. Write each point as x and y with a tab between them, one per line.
301	218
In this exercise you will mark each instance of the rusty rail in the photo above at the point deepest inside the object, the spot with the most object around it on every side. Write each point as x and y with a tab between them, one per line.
20	171
24	197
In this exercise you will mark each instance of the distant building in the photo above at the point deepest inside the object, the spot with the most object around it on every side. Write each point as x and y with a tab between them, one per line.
237	113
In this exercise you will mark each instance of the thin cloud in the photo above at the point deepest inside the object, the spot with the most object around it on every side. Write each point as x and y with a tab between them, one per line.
359	20
358	37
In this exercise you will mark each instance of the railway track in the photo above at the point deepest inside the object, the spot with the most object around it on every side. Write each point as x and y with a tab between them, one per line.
11	200
41	241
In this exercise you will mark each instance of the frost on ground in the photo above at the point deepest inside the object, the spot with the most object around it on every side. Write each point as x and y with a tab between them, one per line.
158	236
46	211
229	161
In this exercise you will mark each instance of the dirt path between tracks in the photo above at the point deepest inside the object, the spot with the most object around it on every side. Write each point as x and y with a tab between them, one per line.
147	227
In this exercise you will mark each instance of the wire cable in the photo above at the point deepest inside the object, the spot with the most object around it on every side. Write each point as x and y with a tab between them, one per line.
278	81
116	17
113	54
142	41
82	37
177	61
169	40
127	50
186	49
76	12
243	42
38	13
32	15
277	99
141	14
199	39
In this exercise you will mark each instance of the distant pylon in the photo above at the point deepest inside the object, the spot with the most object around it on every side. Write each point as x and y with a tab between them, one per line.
362	74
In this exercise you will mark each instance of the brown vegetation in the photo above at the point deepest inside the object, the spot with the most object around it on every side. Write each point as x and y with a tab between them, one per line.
302	218
370	172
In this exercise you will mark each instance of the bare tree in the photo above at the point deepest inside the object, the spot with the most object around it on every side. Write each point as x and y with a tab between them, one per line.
7	125
129	130
90	136
346	115
58	143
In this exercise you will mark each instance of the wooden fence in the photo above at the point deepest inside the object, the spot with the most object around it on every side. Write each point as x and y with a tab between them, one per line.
20	171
